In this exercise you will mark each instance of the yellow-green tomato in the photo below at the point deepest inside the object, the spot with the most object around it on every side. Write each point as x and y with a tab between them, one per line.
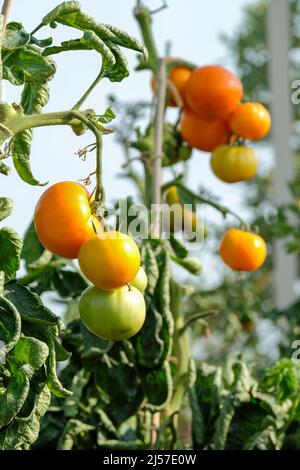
234	164
113	315
140	281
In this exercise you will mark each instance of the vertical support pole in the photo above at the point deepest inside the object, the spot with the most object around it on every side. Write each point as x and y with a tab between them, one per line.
158	147
285	274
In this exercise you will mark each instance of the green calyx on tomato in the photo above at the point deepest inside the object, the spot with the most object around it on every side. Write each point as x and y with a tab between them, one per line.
113	315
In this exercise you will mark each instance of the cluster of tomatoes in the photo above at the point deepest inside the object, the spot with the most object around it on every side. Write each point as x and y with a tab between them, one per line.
213	118
114	307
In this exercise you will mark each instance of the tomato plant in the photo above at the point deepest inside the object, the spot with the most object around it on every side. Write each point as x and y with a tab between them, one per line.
149	352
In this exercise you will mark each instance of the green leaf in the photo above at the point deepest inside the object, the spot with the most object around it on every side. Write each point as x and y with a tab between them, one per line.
73	428
10	251
158	386
69	14
120	69
4	169
14	397
29	305
92	41
178	247
41	42
31	351
151	267
66	46
21	147
198	419
15	37
23	432
119	390
223	424
6	207
162	300
28	65
52	379
32	248
60	10
61	353
10	321
34	97
126	40
190	264
107	117
72	403
149	345
69	283
92	345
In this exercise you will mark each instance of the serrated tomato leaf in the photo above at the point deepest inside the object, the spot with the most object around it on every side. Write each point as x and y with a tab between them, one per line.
10	252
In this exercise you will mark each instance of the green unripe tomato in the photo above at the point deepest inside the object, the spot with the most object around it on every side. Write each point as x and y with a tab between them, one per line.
113	315
140	281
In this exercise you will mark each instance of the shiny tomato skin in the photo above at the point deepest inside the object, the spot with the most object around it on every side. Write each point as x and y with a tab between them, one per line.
242	250
201	134
213	92
110	260
63	219
234	164
250	121
113	315
140	281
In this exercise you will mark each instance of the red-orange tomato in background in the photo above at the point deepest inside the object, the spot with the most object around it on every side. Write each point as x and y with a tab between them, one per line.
110	260
178	76
213	92
201	134
63	219
251	121
242	250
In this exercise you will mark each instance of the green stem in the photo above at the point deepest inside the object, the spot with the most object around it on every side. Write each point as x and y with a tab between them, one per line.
100	193
144	19
89	90
36	29
224	210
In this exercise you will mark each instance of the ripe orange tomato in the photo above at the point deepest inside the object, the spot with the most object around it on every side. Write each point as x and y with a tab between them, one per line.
109	260
179	75
242	250
201	134
63	219
233	164
213	92
251	121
